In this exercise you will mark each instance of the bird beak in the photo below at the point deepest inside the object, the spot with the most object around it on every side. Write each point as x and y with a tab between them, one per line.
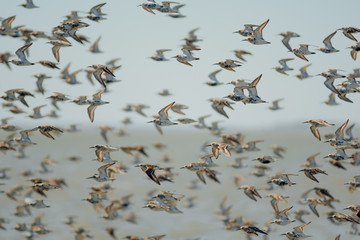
306	122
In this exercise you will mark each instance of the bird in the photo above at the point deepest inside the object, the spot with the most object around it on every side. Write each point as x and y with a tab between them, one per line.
99	69
150	169
94	103
159	55
29	4
186	56
218	105
303	73
36	114
103	174
354	51
275	104
330	76
266	159
302	51
102	152
315	124
297	233
339	138
163	118
310	172
214	81
57	44
228	64
328	46
251	192
341	217
256	36
46	129
331	101
249	28
282	218
286	38
217	147
48	64
239	54
349	31
252	230
22	60
58	97
284	67
94	48
95	13
150	5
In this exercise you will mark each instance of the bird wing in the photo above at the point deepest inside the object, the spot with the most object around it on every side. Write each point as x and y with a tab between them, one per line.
20	52
91	112
327	41
151	173
164	111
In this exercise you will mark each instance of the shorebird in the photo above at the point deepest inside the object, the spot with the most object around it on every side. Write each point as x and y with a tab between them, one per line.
228	64
20	53
252	230
36	114
218	105
94	48
315	124
103	174
297	233
214	81
331	101
283	180
284	67
4	58
99	69
48	64
253	97
348	32
339	139
94	103
216	147
251	192
10	94
149	169
165	7
159	55
275	199
186	57
303	73
266	159
21	96
149	6
46	129
102	152
256	36
178	108
29	4
354	183
341	217
310	172
355	209
330	76
71	77
57	44
249	28
328	46
251	146
239	54
95	13
275	104
58	97
286	38
175	11
302	51
354	51
163	118
282	218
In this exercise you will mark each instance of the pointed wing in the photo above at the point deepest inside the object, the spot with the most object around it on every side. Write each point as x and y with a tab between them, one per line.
301	56
164	111
20	51
258	31
151	173
97	75
340	131
327	41
201	176
91	112
212	75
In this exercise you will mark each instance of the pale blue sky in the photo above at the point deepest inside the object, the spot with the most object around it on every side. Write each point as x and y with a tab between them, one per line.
132	34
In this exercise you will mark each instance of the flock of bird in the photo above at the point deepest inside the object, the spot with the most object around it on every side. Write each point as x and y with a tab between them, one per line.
67	33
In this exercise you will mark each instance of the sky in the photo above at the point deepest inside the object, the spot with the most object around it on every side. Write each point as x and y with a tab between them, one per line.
132	34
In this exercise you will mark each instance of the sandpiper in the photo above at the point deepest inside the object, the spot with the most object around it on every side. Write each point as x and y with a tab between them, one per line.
94	103
149	169
303	73
46	129
103	174
315	124
20	53
302	51
186	57
328	46
228	64
159	55
286	38
348	32
310	172
214	81
94	48
163	119
99	69
256	36
284	67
